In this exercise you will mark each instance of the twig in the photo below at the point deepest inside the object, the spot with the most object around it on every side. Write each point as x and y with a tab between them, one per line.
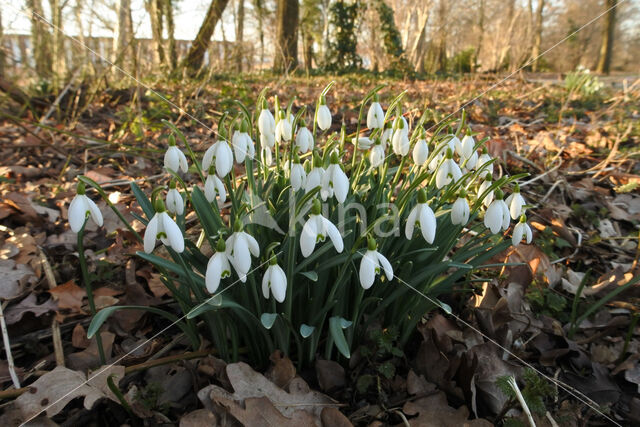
523	403
7	349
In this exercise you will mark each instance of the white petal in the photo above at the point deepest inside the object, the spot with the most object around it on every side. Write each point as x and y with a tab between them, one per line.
266	279
241	258
505	215
375	116
210	189
442	177
214	272
334	234
298	176
254	248
175	204
427	223
222	192
308	237
340	184
183	161
174	235
324	117
376	156
224	159
527	230
172	159
314	179
518	231
207	159
150	234
411	222
467	146
364	143
367	270
278	283
493	217
386	265
420	152
77	212
457	211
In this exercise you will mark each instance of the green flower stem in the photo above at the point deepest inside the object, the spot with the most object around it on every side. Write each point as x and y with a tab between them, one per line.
87	284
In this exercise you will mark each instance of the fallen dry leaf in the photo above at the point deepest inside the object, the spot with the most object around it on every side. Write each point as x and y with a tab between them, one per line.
29	305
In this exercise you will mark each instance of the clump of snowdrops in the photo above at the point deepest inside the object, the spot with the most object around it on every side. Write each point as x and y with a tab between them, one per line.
308	236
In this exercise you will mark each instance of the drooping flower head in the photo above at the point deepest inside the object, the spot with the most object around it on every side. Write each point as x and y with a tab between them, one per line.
422	215
220	155
316	229
266	126
377	153
460	210
421	150
496	217
81	208
335	181
520	231
516	203
174	159
484	162
297	175
314	178
483	188
371	264
284	127
400	140
162	227
274	279
175	203
240	246
218	267
243	147
323	114
304	139
214	187
468	154
448	172
375	116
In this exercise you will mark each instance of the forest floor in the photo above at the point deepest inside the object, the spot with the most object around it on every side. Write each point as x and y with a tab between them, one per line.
582	152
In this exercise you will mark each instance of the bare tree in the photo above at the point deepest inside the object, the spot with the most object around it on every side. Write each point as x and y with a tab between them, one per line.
260	11
608	31
40	39
286	54
154	8
167	12
480	39
239	35
123	49
537	36
193	60
2	54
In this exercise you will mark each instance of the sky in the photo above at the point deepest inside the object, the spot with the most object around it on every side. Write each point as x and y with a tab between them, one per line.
188	16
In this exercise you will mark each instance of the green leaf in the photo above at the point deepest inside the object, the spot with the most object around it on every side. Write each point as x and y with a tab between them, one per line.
268	319
104	314
143	200
306	330
311	275
336	325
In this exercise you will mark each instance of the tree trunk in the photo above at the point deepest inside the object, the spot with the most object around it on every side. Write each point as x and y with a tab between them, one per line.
476	54
193	60
2	56
40	40
286	55
171	28
416	54
537	36
608	31
58	53
441	53
239	35
259	8
154	8
121	36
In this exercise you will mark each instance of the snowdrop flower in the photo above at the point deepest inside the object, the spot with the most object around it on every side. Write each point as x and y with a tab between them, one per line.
220	155
460	210
314	178
400	141
297	175
284	128
240	247
217	268
497	215
516	203
214	187
486	184
274	279
174	159
266	126
422	215
375	116
468	153
174	201
520	231
441	150
335	181
323	115
447	172
483	160
387	134
316	229
371	264
242	144
304	139
455	144
421	151
266	155
377	153
82	207
164	228
364	143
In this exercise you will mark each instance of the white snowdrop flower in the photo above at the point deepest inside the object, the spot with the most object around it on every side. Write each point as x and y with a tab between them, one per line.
435	161
516	203
266	156
242	144
240	247
448	171
304	140
422	215
323	115
375	115
486	184
316	229
460	210
387	135
214	187
400	140
284	128
371	265
471	162
174	159
297	175
401	123
314	178
441	149
162	227
274	279
468	154
420	152
520	231
335	181
455	144
220	155
496	217
377	154
82	207
364	143
218	268
174	201
266	126
483	160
